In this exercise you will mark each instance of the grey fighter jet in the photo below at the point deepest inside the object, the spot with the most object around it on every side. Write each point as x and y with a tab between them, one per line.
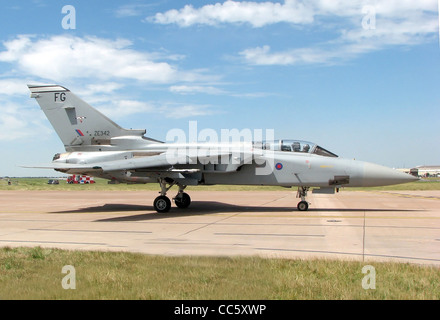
98	147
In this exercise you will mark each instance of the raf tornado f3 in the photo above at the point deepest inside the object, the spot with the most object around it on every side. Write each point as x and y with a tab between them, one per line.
97	146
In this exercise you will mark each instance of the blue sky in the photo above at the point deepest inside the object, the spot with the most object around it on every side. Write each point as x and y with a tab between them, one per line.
360	78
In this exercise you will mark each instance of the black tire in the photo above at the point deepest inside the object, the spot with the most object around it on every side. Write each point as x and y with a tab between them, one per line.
182	200
303	206
162	204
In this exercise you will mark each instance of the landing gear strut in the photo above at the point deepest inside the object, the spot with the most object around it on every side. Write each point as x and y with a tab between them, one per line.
303	205
163	204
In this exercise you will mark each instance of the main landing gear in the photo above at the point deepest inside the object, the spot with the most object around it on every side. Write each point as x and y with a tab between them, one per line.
303	205
163	204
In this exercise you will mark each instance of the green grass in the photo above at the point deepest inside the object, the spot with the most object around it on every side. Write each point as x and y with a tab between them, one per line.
35	273
101	184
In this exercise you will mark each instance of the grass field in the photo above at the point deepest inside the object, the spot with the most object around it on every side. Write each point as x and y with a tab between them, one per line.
101	184
36	273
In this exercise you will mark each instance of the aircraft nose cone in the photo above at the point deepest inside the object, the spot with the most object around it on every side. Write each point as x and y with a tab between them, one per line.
376	175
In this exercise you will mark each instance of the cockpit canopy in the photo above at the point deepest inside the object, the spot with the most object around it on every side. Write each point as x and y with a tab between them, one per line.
293	146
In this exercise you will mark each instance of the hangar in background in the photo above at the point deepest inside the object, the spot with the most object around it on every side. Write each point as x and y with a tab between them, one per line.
423	171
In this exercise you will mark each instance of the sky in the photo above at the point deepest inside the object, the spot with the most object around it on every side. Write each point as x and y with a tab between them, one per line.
358	77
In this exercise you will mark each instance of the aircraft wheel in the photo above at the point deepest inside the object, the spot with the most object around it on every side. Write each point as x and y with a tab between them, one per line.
182	200
303	206
162	204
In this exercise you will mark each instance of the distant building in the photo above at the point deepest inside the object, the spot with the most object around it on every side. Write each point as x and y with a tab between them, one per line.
423	171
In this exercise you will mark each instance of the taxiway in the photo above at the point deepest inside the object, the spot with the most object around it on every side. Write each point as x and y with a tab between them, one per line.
399	226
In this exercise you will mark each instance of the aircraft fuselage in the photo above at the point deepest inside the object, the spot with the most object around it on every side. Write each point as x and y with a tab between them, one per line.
239	164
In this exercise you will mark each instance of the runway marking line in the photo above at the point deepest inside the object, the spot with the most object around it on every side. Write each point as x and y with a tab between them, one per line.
406	195
86	230
268	234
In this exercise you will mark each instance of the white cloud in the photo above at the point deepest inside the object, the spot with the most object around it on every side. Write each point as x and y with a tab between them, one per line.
179	111
122	108
397	23
183	89
117	109
132	10
59	58
257	14
402	8
12	87
95	91
188	90
14	48
264	56
20	121
12	127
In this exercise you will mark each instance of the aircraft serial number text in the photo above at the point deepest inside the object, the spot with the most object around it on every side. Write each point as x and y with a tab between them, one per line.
101	133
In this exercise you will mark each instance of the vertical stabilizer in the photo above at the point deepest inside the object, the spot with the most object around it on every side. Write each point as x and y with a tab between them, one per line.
76	122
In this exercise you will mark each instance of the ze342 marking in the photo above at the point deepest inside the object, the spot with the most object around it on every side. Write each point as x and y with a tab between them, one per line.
102	133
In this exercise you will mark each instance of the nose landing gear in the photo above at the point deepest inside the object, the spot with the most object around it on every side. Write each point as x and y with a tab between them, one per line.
303	205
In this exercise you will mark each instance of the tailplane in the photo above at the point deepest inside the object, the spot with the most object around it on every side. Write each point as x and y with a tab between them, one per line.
79	125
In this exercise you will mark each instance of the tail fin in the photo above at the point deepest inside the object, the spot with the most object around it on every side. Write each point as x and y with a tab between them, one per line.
78	125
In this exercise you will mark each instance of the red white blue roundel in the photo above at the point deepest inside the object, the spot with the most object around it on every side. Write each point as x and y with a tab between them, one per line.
279	166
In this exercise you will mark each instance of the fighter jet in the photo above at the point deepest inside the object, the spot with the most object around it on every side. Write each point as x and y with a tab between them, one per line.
97	146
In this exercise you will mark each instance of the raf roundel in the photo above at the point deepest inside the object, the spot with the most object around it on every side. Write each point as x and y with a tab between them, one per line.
279	166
